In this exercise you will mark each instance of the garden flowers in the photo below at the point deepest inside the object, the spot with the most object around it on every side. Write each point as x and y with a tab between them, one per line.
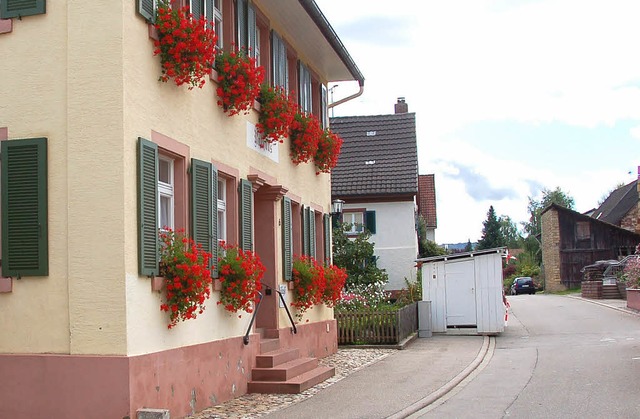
240	274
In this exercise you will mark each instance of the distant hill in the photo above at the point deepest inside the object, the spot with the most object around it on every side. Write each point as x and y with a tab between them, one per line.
457	247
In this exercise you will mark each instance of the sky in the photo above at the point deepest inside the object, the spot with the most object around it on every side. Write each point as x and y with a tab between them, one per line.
510	96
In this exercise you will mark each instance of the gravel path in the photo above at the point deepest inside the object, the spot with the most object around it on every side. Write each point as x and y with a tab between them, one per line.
345	361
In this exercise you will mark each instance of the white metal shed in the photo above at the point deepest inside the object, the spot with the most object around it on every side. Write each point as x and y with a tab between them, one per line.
465	291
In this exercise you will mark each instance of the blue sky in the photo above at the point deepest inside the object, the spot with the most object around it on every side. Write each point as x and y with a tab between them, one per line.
510	96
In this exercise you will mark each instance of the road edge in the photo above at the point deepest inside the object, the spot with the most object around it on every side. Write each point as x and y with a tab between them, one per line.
488	342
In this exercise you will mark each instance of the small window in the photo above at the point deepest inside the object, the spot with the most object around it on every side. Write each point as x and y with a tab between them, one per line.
583	230
355	221
222	210
165	193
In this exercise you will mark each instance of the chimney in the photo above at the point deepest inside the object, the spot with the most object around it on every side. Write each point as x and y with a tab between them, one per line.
401	106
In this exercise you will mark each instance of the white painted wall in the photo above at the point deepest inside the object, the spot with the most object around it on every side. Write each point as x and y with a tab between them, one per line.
396	240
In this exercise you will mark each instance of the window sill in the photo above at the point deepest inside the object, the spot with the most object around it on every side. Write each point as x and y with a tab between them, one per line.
6	25
6	285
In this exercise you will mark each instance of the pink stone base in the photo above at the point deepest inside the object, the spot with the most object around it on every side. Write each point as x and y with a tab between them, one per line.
633	298
184	380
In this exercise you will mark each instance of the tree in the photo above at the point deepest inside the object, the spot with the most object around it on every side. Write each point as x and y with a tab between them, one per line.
556	196
491	234
427	247
509	229
534	227
469	246
357	257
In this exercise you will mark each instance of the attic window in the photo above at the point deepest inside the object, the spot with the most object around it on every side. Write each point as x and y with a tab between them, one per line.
370	162
371	133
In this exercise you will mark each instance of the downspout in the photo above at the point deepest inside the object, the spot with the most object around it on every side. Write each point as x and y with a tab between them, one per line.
348	98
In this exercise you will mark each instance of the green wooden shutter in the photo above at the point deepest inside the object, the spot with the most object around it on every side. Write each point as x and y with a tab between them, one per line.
252	37
25	249
370	221
209	13
241	23
287	239
326	219
202	204
214	222
312	232
21	8
246	215
196	9
147	207
147	9
305	230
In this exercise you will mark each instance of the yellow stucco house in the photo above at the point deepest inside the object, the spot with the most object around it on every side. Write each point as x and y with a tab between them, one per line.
81	331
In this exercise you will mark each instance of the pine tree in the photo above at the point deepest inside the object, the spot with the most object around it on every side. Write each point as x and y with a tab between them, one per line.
491	233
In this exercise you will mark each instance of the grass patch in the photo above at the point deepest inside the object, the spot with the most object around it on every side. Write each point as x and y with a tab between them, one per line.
565	292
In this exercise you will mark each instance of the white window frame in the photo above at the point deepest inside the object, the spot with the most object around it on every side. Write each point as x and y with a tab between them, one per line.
166	190
357	227
221	207
217	21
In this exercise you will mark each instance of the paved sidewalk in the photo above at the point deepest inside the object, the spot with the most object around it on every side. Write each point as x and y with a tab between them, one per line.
426	369
617	304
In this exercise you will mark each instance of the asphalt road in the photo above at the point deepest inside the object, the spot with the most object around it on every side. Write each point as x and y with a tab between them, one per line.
560	357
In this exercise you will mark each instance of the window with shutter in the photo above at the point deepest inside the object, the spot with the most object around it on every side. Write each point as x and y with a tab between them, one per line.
287	239
147	207
370	221
203	215
21	8
25	248
246	215
279	61
304	88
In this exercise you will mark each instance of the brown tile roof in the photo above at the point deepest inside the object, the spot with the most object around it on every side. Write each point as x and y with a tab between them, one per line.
379	155
427	199
617	204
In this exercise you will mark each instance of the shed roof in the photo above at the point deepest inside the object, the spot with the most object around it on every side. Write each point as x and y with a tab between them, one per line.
463	255
379	155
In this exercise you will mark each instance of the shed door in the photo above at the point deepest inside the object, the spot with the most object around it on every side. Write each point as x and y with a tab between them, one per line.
461	293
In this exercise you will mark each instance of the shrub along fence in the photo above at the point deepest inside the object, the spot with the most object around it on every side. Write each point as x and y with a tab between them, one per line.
373	327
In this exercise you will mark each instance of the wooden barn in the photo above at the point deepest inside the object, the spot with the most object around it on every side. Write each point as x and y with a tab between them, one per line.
571	240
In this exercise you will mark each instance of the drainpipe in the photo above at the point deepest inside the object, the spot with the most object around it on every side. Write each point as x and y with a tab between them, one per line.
348	98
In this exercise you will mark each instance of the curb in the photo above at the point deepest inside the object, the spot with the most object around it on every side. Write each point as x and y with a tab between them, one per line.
620	309
455	381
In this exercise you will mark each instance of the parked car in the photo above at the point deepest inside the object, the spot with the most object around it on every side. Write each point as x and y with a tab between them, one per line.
523	285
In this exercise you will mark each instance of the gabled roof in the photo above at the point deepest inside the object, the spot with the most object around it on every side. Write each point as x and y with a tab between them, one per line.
617	204
427	199
379	156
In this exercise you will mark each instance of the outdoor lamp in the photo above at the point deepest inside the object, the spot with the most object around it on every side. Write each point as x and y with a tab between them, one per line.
336	207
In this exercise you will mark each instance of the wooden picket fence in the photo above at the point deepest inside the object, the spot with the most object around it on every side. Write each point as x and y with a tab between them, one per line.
377	327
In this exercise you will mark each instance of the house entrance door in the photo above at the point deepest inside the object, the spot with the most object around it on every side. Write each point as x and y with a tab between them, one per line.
265	228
